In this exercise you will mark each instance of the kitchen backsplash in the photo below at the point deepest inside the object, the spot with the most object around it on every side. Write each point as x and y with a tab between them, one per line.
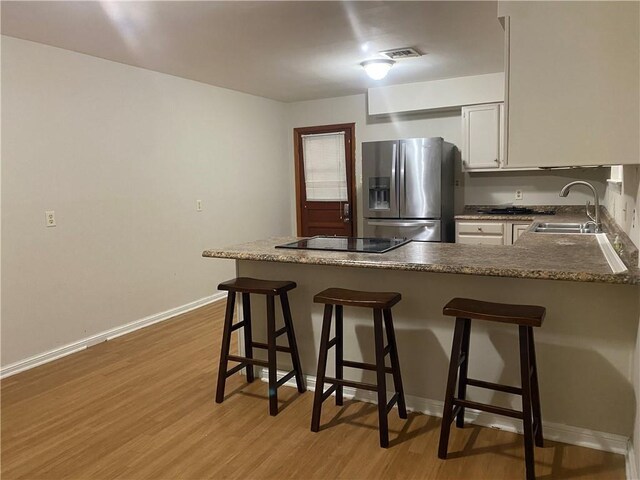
538	187
623	202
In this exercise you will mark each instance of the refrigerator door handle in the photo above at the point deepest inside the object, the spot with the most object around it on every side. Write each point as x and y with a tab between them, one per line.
393	187
402	182
406	223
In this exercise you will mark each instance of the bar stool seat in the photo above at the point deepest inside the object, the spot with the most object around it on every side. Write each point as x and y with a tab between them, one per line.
381	303
525	317
254	285
270	288
355	298
529	315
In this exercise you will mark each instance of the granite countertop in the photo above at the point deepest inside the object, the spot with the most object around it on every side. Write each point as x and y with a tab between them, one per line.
564	213
535	255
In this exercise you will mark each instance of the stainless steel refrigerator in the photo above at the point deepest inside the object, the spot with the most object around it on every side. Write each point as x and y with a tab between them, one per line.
408	189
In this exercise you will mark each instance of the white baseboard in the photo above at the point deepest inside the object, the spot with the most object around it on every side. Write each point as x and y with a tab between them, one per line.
70	348
631	463
583	437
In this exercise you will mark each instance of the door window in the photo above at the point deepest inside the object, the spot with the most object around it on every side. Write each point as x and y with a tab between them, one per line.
325	173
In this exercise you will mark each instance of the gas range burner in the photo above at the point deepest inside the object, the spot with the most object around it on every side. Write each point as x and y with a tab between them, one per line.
516	211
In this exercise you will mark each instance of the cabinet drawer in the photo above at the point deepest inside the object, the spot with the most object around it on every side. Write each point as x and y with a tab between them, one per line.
481	239
481	228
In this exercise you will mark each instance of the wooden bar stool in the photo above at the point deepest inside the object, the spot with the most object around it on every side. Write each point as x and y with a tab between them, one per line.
271	289
526	317
381	303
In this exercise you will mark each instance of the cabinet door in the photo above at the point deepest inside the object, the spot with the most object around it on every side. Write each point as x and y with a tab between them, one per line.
519	229
573	76
502	159
481	136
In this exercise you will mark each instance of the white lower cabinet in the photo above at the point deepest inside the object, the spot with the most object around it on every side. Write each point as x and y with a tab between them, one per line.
487	232
518	229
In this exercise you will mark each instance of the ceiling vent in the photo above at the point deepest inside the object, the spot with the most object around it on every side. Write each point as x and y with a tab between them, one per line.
401	53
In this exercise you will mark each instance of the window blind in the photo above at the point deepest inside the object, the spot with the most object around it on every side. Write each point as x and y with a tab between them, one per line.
325	172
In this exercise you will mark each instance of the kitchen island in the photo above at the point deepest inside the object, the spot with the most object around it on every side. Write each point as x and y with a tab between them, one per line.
585	347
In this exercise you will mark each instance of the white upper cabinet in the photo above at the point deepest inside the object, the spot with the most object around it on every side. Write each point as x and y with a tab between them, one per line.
572	83
481	137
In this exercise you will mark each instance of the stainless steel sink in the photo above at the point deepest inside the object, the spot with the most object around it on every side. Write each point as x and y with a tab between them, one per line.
567	228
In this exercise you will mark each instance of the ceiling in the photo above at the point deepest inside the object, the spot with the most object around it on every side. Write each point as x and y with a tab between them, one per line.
287	51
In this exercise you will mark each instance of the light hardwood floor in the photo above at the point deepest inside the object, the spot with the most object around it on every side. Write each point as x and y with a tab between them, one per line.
141	407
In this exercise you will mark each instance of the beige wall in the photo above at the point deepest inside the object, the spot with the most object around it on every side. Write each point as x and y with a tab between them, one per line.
122	154
624	204
539	187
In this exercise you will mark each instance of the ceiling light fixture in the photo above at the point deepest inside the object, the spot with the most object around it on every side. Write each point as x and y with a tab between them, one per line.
377	69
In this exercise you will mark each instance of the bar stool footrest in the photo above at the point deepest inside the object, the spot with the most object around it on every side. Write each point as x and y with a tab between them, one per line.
238	325
264	346
329	391
456	410
494	386
364	366
351	383
507	412
536	427
235	369
461	360
286	378
280	331
392	402
248	361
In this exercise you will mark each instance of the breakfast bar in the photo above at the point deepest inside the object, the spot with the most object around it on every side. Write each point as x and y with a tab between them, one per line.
585	348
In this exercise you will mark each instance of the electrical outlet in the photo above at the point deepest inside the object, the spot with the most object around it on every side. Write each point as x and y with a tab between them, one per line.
198	205
50	218
518	194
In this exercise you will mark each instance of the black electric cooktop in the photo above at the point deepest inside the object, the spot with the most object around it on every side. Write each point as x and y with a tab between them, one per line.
347	244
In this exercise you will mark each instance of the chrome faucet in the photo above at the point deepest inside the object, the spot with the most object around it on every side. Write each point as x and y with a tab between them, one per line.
594	219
